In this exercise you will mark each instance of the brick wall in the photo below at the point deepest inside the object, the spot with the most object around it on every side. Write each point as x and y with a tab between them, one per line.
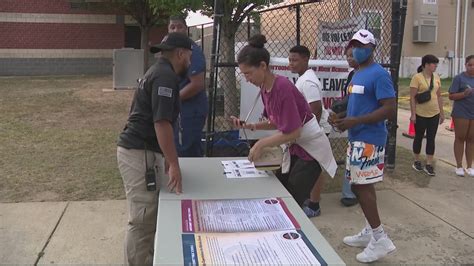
61	36
45	6
48	37
156	34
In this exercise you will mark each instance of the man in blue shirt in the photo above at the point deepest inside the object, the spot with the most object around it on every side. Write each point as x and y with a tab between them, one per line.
194	103
371	102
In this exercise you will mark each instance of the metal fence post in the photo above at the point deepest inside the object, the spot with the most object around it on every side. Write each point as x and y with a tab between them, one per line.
398	22
248	28
202	37
298	25
213	76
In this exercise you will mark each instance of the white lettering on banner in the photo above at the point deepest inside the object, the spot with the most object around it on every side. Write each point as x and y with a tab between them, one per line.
332	74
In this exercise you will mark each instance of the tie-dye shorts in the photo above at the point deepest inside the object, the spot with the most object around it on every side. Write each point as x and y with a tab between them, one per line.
364	163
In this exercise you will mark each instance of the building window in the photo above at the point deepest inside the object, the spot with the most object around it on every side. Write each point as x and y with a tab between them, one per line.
132	37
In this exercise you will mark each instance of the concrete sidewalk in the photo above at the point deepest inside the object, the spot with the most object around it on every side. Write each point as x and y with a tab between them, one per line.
429	225
444	138
89	232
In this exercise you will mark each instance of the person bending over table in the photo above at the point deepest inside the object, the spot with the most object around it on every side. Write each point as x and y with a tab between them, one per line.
287	111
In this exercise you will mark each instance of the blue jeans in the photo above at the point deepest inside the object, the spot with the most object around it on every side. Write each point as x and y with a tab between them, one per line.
346	189
187	136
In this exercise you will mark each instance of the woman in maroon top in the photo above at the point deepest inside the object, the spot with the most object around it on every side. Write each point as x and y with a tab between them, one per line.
287	111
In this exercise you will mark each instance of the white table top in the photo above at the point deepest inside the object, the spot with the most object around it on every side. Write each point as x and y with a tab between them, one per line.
203	178
169	248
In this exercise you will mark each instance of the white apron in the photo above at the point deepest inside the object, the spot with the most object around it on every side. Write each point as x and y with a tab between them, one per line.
315	142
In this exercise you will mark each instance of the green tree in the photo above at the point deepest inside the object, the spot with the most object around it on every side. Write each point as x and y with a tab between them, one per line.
234	12
147	14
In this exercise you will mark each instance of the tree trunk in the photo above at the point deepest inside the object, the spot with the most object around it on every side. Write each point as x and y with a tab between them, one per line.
144	45
227	80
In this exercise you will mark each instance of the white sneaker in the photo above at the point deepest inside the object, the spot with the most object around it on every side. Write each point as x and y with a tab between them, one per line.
470	172
362	239
376	249
460	171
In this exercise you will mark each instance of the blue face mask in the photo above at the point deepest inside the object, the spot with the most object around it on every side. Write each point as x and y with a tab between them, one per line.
361	54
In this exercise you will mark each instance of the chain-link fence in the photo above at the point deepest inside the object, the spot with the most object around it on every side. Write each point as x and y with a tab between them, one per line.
325	27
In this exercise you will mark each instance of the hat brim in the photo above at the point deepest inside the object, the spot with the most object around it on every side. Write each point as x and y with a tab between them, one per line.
351	42
160	47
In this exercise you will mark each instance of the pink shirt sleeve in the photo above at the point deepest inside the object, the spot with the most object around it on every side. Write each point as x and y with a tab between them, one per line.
287	113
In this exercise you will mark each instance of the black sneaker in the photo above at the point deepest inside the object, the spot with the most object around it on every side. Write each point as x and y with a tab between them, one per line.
429	170
417	166
349	201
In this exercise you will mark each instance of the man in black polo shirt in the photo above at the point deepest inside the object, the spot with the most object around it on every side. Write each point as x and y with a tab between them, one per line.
147	141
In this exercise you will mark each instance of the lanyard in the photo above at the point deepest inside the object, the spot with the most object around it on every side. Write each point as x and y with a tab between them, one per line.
248	116
431	84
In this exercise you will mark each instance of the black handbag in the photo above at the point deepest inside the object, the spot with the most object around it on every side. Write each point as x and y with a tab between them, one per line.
426	95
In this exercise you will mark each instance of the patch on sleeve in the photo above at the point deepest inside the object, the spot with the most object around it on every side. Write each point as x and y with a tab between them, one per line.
165	91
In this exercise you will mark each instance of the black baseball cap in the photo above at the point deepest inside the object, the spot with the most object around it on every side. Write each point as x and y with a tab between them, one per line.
172	41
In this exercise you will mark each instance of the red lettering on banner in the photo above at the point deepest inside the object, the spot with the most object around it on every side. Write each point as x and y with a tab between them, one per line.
280	67
333	50
328	101
324	69
339	69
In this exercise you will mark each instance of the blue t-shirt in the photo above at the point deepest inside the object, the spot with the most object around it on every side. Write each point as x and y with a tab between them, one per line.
198	104
463	108
368	86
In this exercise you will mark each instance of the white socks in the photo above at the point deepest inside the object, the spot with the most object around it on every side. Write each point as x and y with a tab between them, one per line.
378	232
367	228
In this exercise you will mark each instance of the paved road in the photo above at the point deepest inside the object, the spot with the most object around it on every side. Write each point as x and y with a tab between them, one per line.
444	138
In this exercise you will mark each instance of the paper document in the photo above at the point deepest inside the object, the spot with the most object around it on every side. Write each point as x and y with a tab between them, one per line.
289	247
242	169
245	173
243	215
237	164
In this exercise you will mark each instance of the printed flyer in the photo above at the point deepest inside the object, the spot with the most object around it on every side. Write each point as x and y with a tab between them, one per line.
242	215
289	247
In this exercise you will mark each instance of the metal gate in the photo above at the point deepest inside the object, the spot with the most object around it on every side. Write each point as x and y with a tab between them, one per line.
306	24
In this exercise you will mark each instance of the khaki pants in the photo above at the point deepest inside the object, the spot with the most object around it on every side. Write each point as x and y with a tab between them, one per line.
142	204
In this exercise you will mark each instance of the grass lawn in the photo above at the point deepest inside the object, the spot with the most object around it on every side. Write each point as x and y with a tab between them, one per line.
58	140
404	94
